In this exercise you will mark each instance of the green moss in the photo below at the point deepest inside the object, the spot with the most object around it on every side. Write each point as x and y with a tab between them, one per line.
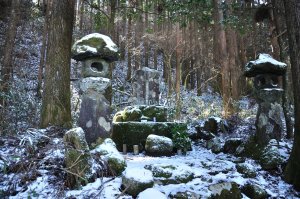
116	165
76	163
136	133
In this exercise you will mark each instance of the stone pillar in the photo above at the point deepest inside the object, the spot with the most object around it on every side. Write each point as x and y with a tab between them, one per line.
94	116
267	73
146	86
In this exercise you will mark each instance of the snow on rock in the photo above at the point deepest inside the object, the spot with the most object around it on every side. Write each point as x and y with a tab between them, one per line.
136	180
171	174
95	45
108	151
151	193
225	190
158	145
264	64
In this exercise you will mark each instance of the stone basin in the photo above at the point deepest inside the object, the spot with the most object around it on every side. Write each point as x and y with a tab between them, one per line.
135	133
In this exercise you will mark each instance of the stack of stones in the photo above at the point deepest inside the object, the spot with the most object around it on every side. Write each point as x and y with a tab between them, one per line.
96	52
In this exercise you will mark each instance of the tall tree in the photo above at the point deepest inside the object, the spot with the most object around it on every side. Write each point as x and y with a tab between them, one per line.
7	66
292	10
56	104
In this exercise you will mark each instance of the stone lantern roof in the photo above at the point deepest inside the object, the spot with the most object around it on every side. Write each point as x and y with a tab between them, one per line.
265	64
95	45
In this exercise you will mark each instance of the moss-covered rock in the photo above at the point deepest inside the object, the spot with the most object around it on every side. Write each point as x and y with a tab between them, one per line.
158	145
271	157
183	195
131	113
159	112
77	158
225	190
137	180
170	174
254	191
108	152
136	133
118	117
246	169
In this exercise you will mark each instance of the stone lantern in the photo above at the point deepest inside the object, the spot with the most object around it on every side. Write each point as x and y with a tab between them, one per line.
267	74
96	51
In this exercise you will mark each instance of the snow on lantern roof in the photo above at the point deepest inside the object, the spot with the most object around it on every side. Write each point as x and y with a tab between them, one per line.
95	45
265	64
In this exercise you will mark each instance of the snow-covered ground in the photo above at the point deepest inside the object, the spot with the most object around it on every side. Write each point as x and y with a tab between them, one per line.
41	176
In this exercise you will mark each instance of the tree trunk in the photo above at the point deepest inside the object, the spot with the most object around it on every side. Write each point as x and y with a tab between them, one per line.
292	7
56	103
129	45
7	65
223	59
178	74
43	54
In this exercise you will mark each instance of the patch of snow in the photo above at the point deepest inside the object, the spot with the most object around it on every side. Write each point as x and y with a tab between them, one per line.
138	174
151	193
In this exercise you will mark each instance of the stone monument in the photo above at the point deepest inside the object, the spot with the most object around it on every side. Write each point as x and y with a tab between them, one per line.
267	73
96	51
146	86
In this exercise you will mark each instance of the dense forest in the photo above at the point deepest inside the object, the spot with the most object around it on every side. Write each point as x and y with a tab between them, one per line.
86	82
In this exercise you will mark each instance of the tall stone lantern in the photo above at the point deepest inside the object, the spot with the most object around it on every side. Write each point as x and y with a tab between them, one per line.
95	51
267	74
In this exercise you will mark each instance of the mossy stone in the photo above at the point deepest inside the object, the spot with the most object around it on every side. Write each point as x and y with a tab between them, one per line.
131	114
225	190
254	191
246	169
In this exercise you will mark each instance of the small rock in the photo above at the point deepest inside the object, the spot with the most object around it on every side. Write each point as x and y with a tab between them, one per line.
108	151
271	158
225	190
246	169
254	191
131	113
137	180
151	193
77	158
183	195
232	144
215	125
158	145
169	174
215	145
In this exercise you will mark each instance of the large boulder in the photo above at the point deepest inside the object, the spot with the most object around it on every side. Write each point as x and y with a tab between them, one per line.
137	180
77	158
132	113
158	145
225	190
95	45
108	152
151	193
